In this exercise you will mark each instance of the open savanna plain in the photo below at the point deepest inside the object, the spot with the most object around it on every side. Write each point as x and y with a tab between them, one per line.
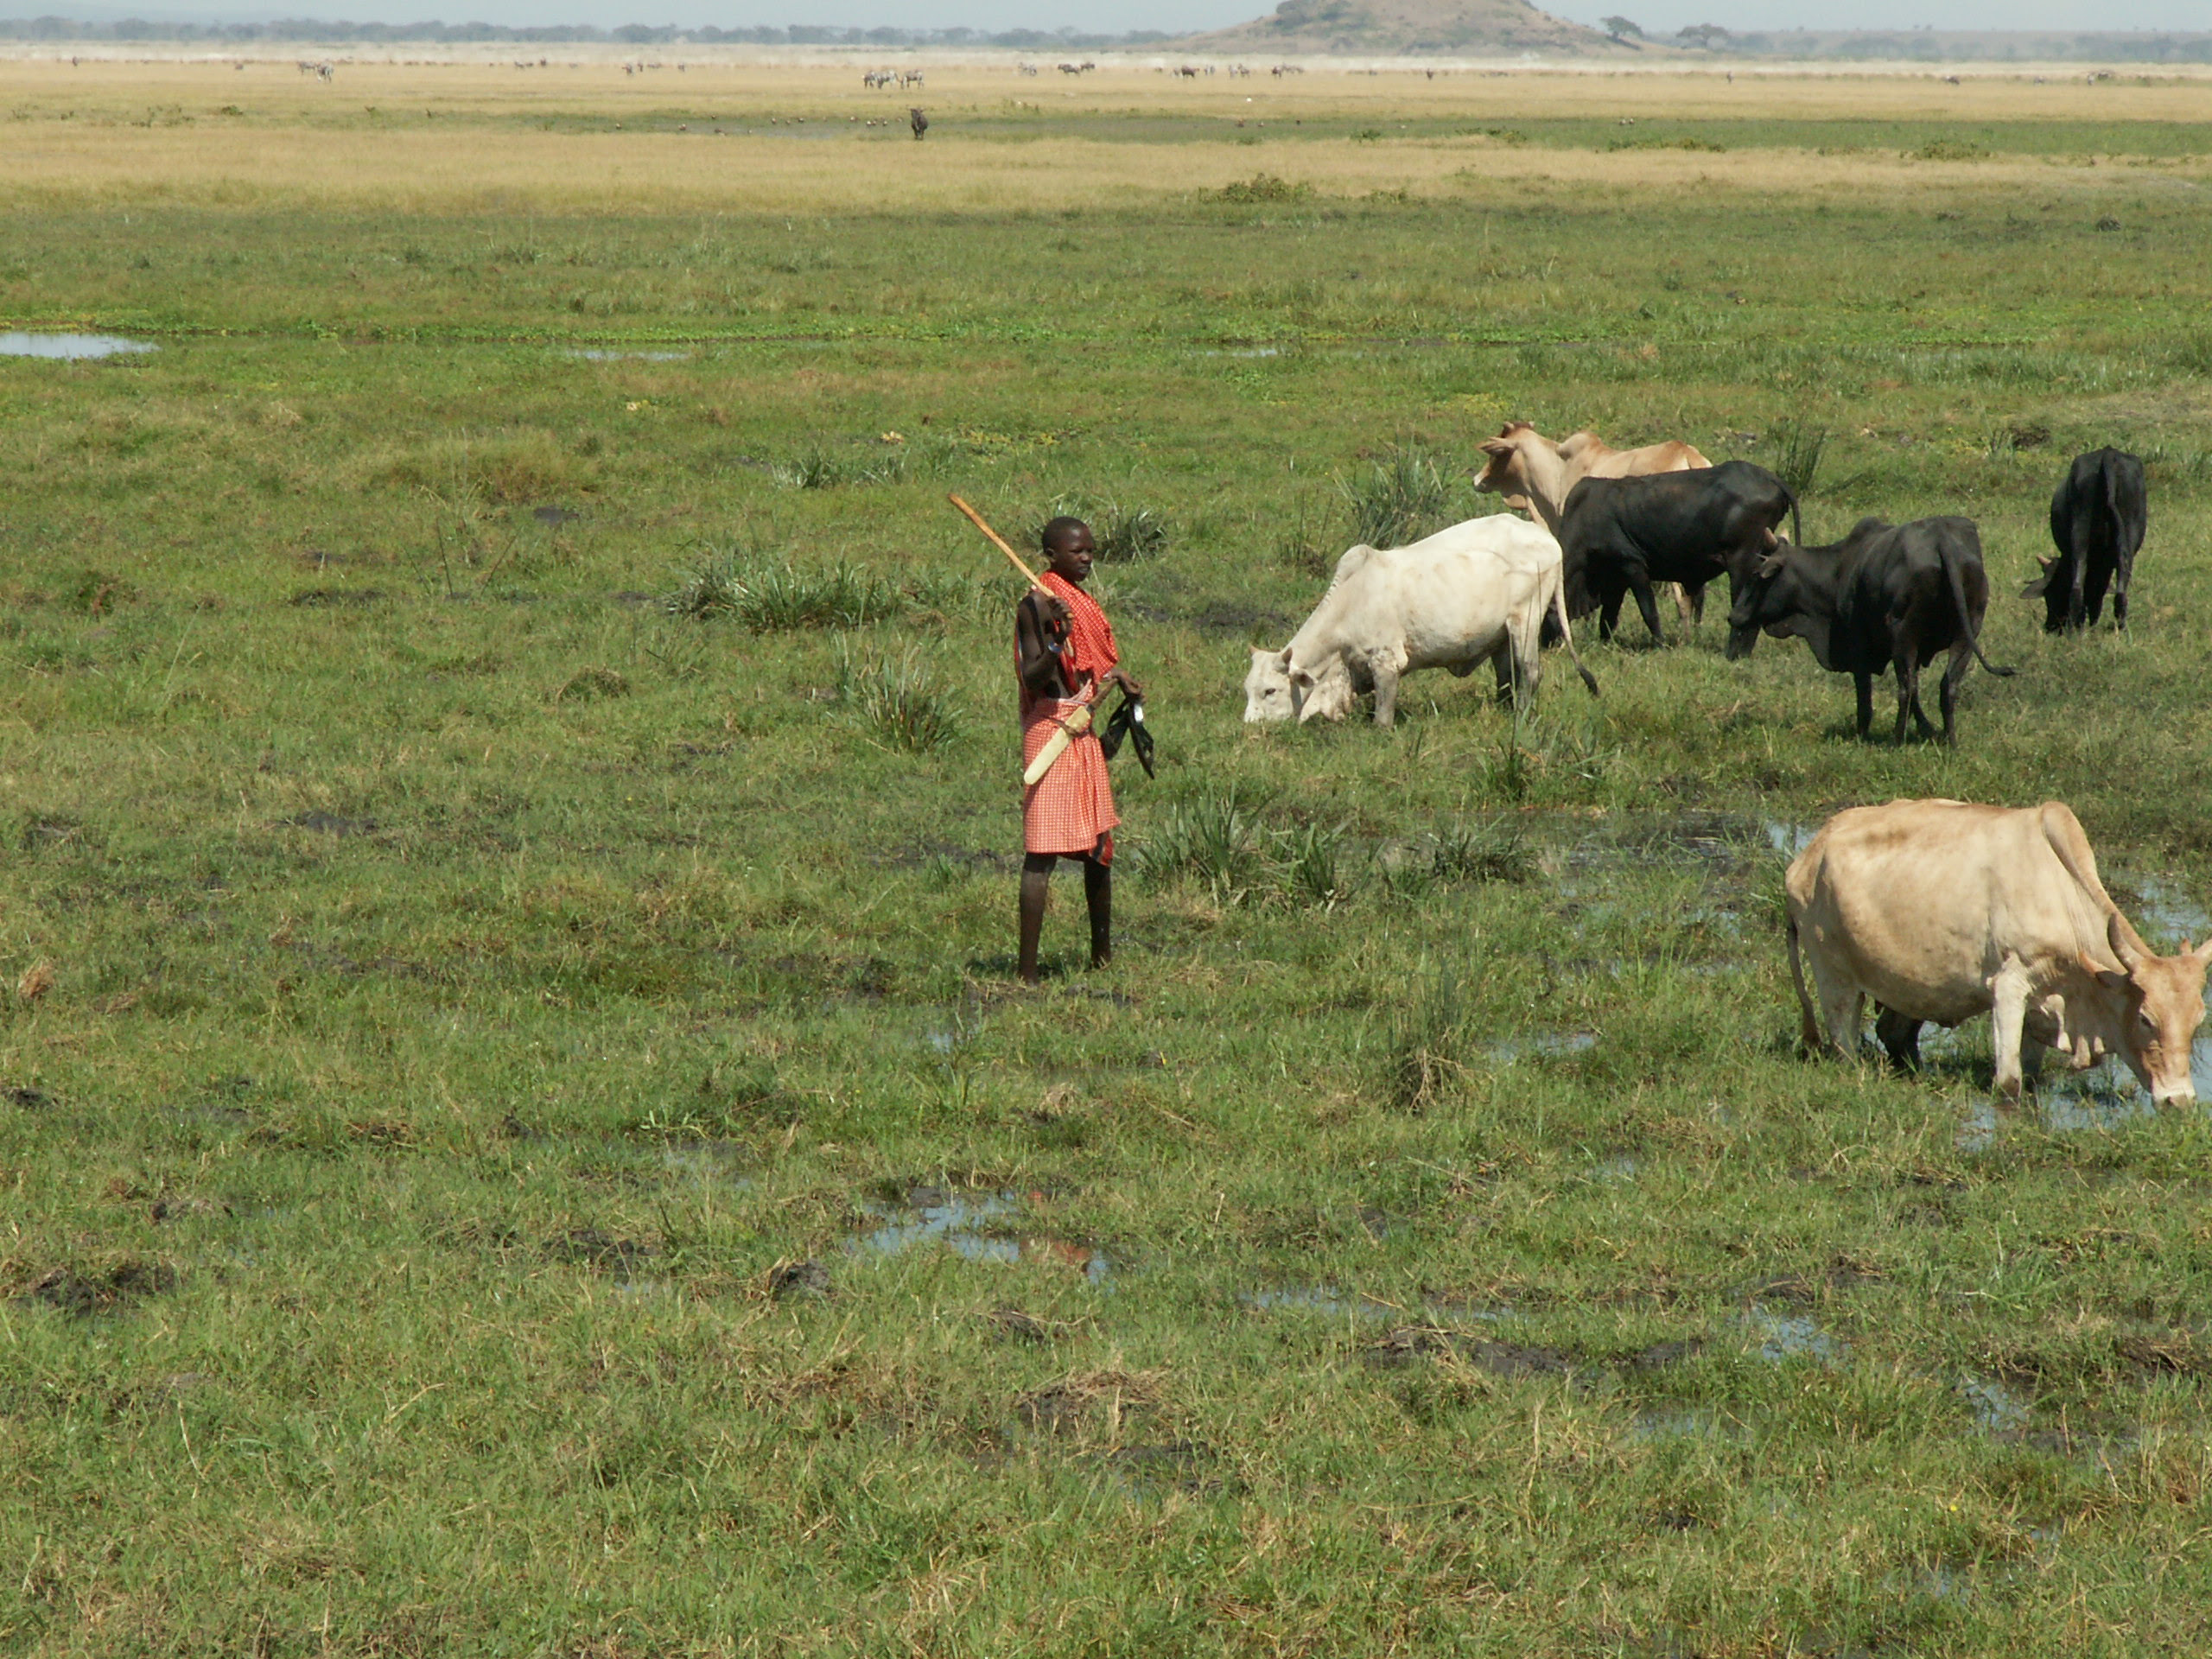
518	1135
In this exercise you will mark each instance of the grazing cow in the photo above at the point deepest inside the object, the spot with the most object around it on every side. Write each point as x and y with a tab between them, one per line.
1535	473
1480	591
1887	593
1620	535
1940	911
2097	519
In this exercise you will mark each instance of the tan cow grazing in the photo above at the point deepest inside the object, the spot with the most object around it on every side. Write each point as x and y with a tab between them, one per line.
1535	474
1940	910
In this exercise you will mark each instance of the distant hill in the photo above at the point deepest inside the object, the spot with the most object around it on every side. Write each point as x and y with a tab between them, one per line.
1392	28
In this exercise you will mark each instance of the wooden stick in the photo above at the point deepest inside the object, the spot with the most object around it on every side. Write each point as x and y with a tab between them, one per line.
998	542
1078	722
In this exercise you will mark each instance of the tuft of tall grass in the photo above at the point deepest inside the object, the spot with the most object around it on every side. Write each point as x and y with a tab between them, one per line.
1795	451
1398	497
1427	1046
1477	849
1214	839
780	596
816	468
1309	870
897	695
1263	187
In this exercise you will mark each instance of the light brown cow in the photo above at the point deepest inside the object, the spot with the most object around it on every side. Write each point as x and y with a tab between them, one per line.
1534	474
1940	911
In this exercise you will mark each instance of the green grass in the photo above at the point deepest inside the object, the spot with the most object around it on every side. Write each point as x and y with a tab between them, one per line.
453	989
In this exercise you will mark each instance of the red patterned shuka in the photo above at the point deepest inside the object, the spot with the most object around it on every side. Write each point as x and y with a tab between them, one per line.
1071	809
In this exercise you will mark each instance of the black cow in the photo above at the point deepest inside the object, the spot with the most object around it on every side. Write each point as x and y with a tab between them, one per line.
1620	535
1884	593
2097	519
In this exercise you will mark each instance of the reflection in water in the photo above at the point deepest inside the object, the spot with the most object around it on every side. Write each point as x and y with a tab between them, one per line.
1321	1299
1545	1044
1792	1336
1789	839
1997	1410
594	355
2167	910
1979	1132
958	1220
70	347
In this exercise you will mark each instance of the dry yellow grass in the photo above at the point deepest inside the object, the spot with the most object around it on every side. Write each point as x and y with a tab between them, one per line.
452	137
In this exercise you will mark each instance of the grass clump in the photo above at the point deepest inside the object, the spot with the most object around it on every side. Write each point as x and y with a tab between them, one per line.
817	468
1426	1052
1398	498
780	596
896	695
1481	850
1263	187
1795	451
1309	866
1214	841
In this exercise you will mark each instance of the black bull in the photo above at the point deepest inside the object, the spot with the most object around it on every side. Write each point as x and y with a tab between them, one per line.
1885	593
1620	535
2097	520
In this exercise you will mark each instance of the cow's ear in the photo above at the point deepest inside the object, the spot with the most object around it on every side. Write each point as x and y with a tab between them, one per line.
1285	659
1771	565
2038	588
1301	679
1497	448
2104	976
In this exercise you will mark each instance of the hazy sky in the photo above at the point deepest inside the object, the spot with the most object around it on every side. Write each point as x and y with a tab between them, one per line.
1114	17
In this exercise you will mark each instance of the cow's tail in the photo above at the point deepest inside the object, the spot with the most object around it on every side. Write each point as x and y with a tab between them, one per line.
1809	1028
1566	633
1957	579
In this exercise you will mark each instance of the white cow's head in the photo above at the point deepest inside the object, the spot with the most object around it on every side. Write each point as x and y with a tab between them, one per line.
1278	689
2159	1004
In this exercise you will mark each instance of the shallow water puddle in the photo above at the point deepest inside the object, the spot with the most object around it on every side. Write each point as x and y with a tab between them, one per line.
71	348
1997	1409
960	1221
1787	839
1320	1298
1979	1132
1792	1336
1686	1423
1545	1044
592	354
2171	912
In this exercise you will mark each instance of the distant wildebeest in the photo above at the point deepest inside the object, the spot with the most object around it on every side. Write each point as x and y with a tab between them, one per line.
1885	595
2097	521
1944	910
919	121
1621	535
1478	592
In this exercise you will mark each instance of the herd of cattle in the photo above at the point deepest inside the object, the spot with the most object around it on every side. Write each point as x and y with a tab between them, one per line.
1936	910
1605	525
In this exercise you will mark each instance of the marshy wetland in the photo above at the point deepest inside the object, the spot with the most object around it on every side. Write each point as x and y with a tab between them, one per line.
515	1130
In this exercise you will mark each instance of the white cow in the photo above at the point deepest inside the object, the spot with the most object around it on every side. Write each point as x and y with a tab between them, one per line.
1940	911
1476	592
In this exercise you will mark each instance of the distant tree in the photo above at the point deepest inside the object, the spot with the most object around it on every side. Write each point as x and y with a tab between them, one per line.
1619	27
1707	35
